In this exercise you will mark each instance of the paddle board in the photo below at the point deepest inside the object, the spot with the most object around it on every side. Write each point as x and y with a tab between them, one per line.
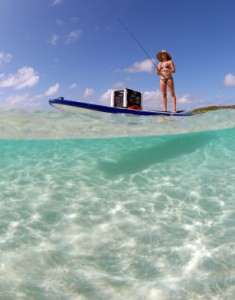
61	103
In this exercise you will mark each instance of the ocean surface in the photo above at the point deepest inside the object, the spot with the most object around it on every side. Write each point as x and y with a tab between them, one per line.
115	207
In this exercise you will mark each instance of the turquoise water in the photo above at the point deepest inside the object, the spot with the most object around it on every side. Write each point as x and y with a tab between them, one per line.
117	208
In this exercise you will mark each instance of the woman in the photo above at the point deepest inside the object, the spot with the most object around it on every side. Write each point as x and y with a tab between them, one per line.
165	69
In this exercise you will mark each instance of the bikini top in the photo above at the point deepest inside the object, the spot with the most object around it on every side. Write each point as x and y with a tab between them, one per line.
165	66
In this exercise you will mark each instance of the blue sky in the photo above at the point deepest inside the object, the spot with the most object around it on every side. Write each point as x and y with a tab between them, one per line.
79	50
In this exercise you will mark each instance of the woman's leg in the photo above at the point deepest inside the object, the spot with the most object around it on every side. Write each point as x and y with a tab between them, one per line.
171	87
163	86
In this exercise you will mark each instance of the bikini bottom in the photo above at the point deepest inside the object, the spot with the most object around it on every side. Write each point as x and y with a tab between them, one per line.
166	79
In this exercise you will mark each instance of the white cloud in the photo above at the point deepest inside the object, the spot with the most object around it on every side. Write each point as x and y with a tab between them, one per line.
74	19
52	90
5	58
106	97
73	36
186	99
23	101
152	100
88	92
24	78
143	66
73	86
59	22
57	2
119	84
54	39
229	80
152	95
16	100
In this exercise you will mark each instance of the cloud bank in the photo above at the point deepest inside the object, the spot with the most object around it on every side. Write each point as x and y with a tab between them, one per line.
25	77
5	58
143	66
52	90
229	80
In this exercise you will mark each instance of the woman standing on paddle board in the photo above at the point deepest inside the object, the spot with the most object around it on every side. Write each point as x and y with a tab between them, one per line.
165	69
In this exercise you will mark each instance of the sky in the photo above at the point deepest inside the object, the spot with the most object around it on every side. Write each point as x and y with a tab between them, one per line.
78	49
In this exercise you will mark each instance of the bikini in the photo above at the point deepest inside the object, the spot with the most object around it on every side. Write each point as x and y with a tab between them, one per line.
165	79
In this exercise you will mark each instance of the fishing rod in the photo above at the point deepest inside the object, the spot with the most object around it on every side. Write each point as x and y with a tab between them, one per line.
138	43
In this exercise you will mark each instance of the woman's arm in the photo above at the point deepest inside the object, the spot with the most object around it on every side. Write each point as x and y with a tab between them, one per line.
172	70
158	70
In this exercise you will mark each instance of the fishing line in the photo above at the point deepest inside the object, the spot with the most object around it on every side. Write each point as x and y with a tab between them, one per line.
138	43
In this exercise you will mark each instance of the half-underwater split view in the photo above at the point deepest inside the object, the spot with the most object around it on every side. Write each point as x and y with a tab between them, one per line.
117	145
134	217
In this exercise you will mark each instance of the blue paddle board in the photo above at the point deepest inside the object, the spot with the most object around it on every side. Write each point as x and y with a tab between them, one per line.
70	105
